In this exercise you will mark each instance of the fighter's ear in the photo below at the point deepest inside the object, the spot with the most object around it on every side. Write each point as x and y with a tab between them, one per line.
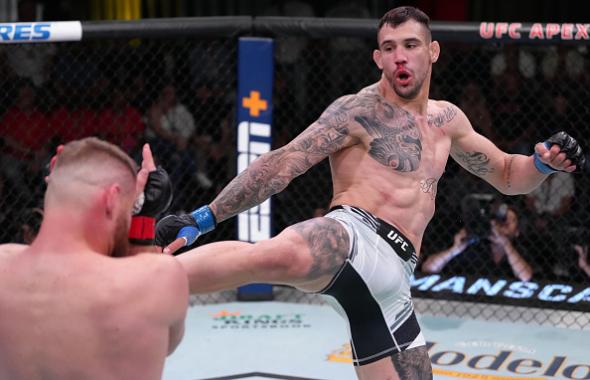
112	199
377	58
434	51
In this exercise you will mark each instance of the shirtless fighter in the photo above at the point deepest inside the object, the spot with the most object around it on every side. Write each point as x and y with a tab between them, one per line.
73	307
388	146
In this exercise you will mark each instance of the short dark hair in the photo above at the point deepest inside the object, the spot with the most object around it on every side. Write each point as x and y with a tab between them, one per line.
399	15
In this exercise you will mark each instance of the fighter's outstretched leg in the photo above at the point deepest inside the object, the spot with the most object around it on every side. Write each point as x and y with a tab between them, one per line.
306	255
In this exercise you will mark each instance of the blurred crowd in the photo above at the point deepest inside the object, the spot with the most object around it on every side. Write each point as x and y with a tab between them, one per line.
179	96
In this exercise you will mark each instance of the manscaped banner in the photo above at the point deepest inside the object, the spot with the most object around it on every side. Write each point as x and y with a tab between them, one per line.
552	295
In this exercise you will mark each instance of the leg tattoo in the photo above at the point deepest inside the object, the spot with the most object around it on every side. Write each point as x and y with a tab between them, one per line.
328	243
413	364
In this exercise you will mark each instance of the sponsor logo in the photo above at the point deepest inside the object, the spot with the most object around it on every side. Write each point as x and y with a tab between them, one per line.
502	358
518	292
254	103
253	140
341	355
538	31
394	236
225	319
21	32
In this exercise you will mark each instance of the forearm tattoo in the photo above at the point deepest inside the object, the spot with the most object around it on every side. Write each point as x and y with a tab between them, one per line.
328	242
413	364
396	144
509	172
273	171
476	162
440	118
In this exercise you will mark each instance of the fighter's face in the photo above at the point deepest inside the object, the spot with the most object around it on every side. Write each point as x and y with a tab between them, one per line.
405	56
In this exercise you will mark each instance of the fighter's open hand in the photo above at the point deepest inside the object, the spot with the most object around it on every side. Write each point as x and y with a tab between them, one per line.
154	196
153	187
560	152
147	165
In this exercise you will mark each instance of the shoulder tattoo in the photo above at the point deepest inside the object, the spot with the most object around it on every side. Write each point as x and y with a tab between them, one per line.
440	118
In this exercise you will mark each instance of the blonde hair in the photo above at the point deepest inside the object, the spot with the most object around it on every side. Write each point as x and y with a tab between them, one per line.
92	162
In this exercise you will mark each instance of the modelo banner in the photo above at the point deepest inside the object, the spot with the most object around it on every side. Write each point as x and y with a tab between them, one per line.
553	295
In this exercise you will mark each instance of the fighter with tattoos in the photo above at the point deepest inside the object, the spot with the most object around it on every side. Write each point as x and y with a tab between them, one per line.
388	146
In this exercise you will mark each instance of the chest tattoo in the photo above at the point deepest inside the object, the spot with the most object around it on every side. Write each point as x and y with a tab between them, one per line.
396	139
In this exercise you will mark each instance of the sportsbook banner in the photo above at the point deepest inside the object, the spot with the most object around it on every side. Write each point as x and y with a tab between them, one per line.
503	291
35	32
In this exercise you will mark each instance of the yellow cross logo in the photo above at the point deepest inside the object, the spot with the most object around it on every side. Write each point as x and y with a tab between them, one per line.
254	103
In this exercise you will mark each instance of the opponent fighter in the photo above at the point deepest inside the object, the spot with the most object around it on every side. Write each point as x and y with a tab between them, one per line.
73	307
388	146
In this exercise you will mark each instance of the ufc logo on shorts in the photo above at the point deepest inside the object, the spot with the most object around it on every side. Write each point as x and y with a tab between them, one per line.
394	236
253	140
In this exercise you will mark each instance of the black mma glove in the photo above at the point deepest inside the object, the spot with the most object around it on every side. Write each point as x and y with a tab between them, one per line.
186	226
155	199
567	145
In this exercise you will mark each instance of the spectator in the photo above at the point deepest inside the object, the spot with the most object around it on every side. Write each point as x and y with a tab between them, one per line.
552	198
170	126
497	255
549	205
121	124
583	261
513	56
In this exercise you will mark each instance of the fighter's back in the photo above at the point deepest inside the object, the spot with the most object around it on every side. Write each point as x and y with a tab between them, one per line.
85	316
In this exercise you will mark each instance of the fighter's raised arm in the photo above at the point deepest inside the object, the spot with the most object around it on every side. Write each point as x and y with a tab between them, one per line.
512	173
273	171
270	173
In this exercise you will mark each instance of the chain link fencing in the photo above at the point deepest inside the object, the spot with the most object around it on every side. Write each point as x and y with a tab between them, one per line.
178	94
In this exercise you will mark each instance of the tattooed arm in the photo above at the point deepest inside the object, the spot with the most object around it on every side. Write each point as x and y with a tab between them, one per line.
273	171
509	173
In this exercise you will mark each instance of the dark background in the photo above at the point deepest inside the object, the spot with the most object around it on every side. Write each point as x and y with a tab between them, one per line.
449	10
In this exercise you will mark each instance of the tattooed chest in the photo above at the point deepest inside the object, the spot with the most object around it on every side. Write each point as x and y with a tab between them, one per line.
393	141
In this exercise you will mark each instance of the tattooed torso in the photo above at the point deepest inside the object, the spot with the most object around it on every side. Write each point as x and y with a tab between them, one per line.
395	168
384	159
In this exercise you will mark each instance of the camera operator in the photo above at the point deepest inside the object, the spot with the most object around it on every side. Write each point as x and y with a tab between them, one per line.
583	263
496	254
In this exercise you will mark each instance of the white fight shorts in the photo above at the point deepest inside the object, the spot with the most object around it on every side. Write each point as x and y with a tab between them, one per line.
372	288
